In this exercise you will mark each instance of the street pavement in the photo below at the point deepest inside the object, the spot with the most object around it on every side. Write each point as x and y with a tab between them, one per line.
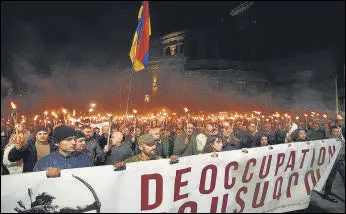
320	205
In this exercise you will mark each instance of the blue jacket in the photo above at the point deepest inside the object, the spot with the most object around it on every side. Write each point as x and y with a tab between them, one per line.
28	153
57	160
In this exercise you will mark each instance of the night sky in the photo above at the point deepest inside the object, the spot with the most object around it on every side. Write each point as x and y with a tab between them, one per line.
39	39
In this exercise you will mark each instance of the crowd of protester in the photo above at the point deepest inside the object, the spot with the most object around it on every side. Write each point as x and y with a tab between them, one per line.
51	149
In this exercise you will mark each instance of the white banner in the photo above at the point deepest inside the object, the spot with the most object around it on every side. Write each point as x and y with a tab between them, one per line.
263	180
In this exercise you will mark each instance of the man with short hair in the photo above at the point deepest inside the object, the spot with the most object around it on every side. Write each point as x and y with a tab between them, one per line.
162	146
270	133
96	134
251	137
103	140
30	151
93	146
230	142
315	133
66	157
186	144
339	166
117	150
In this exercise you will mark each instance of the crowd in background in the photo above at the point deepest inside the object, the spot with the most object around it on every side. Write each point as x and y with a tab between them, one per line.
51	149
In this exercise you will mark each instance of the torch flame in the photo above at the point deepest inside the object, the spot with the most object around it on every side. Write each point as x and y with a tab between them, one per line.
186	109
297	118
135	111
46	112
13	105
35	118
257	112
325	116
64	111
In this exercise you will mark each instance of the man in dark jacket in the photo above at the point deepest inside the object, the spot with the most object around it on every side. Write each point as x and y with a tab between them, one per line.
270	133
104	137
185	144
118	150
316	133
93	146
66	157
251	137
30	151
339	166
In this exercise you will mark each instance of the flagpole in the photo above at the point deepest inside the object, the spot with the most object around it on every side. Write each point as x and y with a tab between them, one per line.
128	97
336	95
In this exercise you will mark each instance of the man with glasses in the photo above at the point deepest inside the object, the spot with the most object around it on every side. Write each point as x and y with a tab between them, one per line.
66	157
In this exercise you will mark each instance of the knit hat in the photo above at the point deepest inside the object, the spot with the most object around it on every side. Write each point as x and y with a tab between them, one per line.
62	132
79	134
146	139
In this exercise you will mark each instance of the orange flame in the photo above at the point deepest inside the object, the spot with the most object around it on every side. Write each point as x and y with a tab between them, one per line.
186	109
13	105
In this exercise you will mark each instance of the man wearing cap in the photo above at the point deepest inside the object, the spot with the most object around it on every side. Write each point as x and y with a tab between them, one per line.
66	157
32	150
147	147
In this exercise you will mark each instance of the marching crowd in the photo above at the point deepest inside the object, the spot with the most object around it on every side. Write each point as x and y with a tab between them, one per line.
52	149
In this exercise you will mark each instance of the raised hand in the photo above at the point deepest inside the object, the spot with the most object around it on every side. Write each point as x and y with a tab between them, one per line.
106	149
20	141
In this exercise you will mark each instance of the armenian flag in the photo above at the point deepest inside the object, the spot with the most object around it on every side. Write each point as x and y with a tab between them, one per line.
139	52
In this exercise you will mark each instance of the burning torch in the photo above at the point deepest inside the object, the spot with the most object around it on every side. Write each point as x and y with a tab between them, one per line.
64	111
187	115
306	121
45	118
35	119
14	117
259	114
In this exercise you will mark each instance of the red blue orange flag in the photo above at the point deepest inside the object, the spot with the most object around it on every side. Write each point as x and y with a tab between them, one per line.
139	52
